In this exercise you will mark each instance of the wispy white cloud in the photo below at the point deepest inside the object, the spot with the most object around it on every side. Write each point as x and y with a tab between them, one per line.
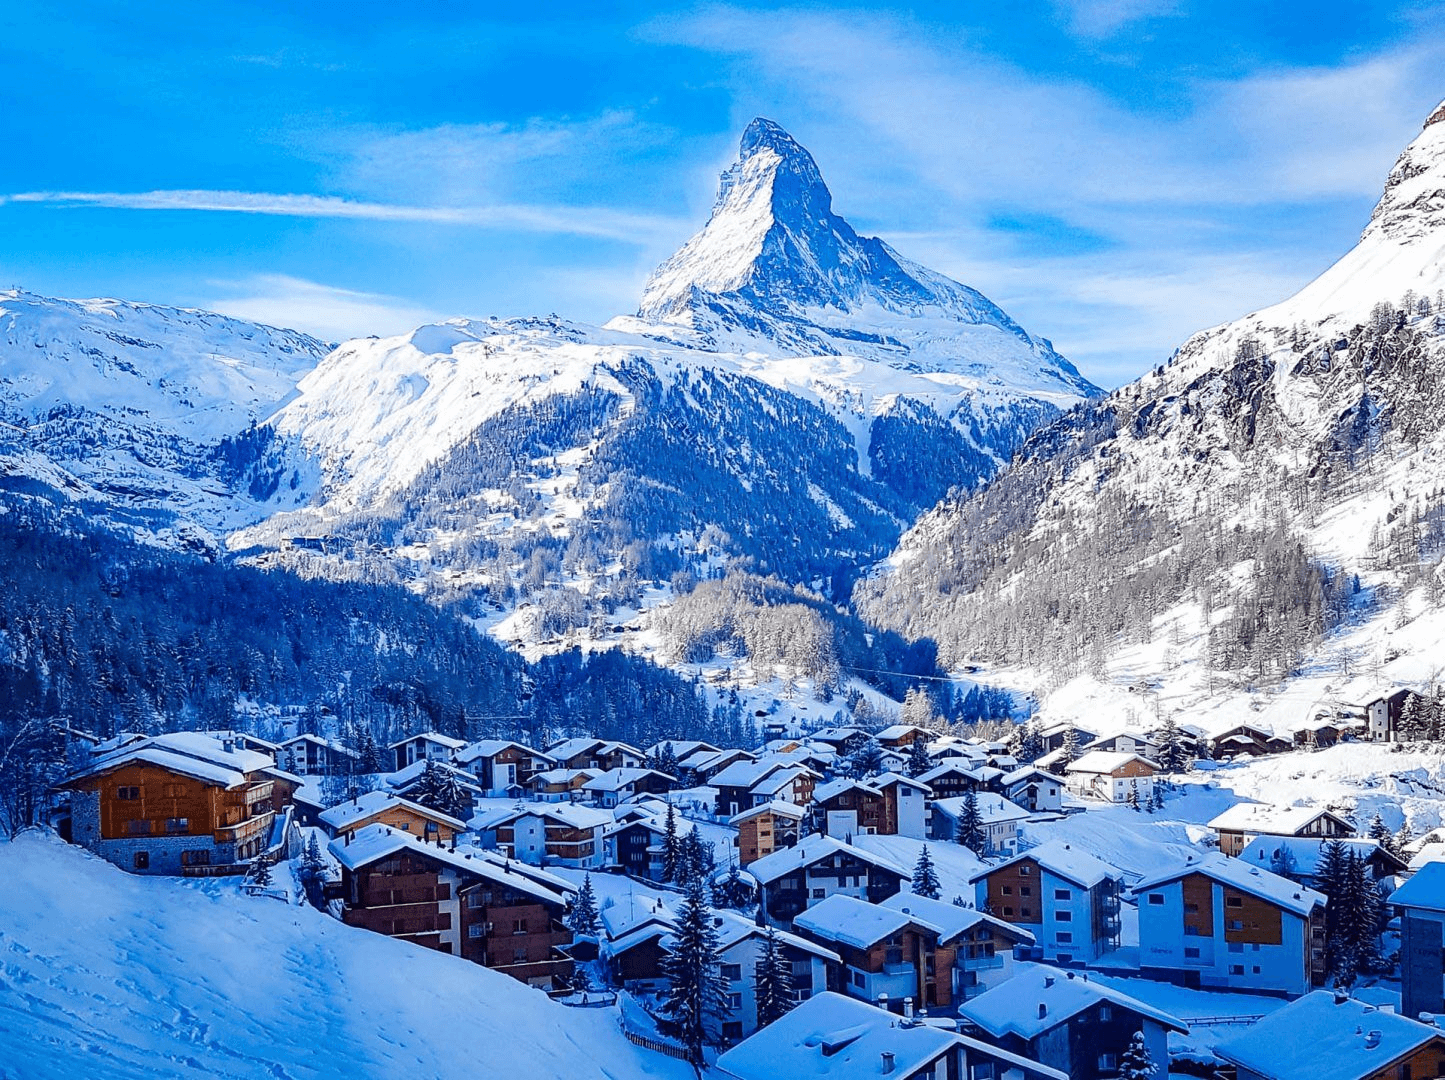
1104	18
325	311
571	220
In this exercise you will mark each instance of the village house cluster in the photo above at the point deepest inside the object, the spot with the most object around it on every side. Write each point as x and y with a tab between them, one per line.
823	852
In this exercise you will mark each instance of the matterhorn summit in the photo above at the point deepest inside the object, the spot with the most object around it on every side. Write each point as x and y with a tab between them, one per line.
775	269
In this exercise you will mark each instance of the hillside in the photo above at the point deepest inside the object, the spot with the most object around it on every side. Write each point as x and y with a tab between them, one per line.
194	979
1252	530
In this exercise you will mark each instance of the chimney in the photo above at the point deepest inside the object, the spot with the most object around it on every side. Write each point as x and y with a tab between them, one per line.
349	834
1043	1010
883	1001
1372	1040
1340	996
1048	980
887	1062
908	1008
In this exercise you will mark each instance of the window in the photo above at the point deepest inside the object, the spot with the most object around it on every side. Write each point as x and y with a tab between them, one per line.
405	826
195	858
894	955
858	978
732	972
1234	901
818	894
477	930
1236	969
1064	916
138	827
733	1029
1008	911
1256	969
1191	909
1234	924
1063	894
1108	1062
475	901
1191	954
519	956
178	825
1106	1012
735	1001
129	794
1026	890
1236	946
1065	937
1008	890
142	860
1156	898
519	926
1026	913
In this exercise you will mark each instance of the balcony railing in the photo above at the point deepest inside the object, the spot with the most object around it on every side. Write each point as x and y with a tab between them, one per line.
983	963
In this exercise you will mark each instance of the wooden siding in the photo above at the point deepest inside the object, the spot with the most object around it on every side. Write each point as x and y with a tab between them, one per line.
1259	922
1198	892
1007	898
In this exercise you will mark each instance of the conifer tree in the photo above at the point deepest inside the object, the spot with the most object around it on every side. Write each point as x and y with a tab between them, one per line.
261	871
667	761
671	846
1401	840
695	1000
925	877
1172	756
1133	797
1136	1064
734	891
867	760
1381	834
772	980
582	919
918	760
970	824
1069	751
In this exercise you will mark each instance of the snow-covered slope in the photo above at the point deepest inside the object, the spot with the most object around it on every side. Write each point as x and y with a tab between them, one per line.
106	974
132	401
1252	530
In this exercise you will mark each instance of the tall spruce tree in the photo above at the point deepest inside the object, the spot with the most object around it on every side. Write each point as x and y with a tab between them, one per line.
695	999
772	980
1069	751
583	919
1172	756
671	846
925	877
918	760
1136	1063
970	824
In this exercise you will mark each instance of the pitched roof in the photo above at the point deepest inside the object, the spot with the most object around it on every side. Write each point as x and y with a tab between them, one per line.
344	815
808	851
1013	1007
1275	820
1318	1037
992	808
486	748
561	751
188	753
1425	889
378	841
1242	877
777	806
1106	761
1064	860
855	922
617	779
952	920
833	1036
430	736
416	769
1024	773
564	813
1305	851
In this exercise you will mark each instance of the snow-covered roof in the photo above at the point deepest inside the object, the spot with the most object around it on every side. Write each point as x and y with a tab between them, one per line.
745	774
189	753
1304	851
569	814
562	776
1275	820
898	731
617	779
1242	877
182	764
344	815
333	745
808	851
1321	1037
487	748
1027	772
833	1036
776	781
630	913
1425	889
416	769
833	788
681	748
569	748
432	737
1013	1007
379	841
892	779
1062	859
1431	851
850	921
993	809
733	929
1106	761
777	806
961	766
952	920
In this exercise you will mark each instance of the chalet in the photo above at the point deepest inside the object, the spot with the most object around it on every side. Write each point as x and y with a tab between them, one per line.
983	946
182	803
632	943
1297	857
735	784
1246	740
841	739
999	817
549	834
830	1035
703	765
681	749
818	867
503	768
1382	715
1035	789
1219	922
616	786
1421	906
1111	776
1324	732
311	755
1065	897
1056	735
887	805
414	777
740	944
902	736
1067	1021
1242	822
467	902
634	842
765	829
387	808
957	777
596	754
1329	1036
560	785
1125	743
428	746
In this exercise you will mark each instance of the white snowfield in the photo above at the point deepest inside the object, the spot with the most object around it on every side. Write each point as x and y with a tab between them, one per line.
104	974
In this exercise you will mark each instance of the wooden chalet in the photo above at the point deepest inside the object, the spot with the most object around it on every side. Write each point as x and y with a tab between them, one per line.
387	808
765	829
1241	823
503	768
819	866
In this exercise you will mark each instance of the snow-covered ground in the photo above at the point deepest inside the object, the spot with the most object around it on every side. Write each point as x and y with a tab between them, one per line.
110	975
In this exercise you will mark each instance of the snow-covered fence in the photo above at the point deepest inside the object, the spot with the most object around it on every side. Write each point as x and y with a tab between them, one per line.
655	1046
1221	1021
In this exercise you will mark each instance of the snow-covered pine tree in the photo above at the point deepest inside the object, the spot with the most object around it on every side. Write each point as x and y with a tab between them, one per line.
1156	798
313	864
1172	756
671	846
925	877
582	919
1069	751
970	824
1402	839
1132	799
1414	722
1381	834
1136	1064
867	760
1330	879
733	891
695	999
697	859
261	871
772	980
1031	747
667	761
918	760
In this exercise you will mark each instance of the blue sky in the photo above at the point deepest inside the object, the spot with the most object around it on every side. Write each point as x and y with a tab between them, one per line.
1115	174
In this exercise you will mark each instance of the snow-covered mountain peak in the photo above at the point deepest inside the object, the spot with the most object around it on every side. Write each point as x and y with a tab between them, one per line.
1413	205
